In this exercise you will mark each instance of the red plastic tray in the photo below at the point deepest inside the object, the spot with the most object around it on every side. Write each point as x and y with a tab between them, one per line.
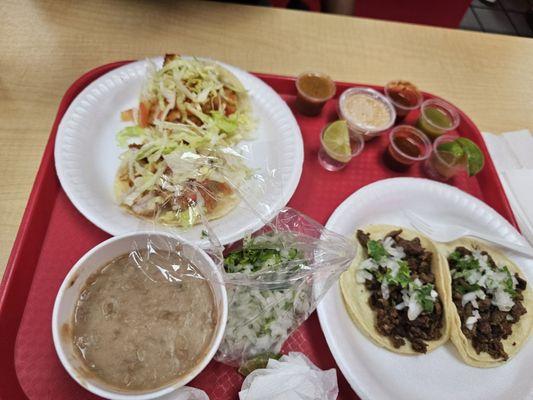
53	235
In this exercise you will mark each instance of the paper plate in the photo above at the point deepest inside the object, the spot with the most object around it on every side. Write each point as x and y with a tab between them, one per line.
377	374
87	155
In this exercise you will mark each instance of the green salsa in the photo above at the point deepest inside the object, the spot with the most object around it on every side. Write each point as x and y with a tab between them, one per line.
434	122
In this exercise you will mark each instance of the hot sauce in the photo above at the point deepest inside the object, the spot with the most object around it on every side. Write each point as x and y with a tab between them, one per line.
404	96
436	118
407	146
313	91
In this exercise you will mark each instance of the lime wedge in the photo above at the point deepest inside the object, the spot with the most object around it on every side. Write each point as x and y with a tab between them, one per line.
257	362
474	156
336	141
454	148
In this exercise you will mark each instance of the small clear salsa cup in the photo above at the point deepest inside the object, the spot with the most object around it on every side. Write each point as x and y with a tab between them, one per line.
443	165
437	117
368	112
313	90
404	96
407	146
331	160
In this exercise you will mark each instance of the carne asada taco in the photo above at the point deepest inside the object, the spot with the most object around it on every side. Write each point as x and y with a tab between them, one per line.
490	305
394	290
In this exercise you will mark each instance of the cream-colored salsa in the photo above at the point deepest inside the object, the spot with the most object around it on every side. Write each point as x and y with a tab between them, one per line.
367	111
137	329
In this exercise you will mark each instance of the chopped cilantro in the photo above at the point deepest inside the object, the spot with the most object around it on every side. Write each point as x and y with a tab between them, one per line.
508	283
468	263
423	294
403	277
376	251
467	288
253	259
204	234
454	256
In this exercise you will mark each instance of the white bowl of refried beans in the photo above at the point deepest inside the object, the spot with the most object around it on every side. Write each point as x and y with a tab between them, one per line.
139	316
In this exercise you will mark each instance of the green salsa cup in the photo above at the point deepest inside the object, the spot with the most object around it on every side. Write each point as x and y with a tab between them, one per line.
437	117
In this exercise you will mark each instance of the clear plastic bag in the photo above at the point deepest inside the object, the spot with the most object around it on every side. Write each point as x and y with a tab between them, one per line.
274	279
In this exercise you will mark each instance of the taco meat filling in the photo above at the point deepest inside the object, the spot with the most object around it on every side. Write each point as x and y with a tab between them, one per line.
398	275
488	298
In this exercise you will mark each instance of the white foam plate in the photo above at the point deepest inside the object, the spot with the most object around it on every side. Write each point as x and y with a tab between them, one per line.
87	156
375	373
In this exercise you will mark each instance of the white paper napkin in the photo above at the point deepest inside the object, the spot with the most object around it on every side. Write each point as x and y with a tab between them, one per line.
293	377
512	154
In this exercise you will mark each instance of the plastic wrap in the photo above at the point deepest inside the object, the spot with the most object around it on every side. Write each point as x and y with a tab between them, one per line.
274	279
275	263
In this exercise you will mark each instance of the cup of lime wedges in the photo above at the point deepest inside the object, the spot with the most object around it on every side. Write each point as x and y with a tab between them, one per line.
463	150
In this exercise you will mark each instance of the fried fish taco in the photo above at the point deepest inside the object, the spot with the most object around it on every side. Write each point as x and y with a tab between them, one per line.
394	290
179	165
195	93
184	187
490	305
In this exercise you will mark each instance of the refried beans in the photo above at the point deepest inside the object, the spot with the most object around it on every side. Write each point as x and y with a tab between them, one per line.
140	325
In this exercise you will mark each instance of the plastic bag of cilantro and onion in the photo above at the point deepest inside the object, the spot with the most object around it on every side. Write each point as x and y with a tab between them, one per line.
275	279
189	165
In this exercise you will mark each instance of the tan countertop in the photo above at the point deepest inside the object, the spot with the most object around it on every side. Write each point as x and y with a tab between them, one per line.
46	45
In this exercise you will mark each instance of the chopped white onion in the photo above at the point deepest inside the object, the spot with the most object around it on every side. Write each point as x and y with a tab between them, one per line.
362	275
468	297
502	300
493	282
415	309
385	289
394	251
400	306
470	321
369	264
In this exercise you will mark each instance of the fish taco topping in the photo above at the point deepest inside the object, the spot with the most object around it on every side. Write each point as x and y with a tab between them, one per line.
179	160
488	298
398	273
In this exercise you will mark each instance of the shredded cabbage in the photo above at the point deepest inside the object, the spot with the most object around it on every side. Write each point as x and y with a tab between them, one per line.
197	93
191	114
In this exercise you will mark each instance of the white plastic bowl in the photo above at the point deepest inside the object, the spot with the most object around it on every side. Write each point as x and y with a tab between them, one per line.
88	264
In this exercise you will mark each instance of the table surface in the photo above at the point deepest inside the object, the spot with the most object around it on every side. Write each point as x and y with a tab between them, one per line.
47	44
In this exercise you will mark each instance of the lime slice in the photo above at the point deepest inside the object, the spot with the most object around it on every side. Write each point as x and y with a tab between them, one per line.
336	140
474	156
454	148
257	362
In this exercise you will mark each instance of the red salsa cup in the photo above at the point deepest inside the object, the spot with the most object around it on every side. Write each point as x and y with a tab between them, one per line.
407	145
404	96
